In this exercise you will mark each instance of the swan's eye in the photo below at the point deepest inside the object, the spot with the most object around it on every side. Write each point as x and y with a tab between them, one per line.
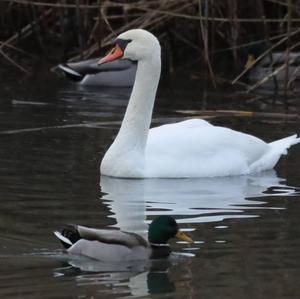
122	43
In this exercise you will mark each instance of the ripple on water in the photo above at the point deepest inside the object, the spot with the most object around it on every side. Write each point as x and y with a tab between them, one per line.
245	228
202	200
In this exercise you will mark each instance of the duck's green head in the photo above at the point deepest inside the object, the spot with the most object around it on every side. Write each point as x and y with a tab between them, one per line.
164	228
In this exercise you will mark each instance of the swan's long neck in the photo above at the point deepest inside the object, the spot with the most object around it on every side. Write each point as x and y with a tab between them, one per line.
137	119
126	156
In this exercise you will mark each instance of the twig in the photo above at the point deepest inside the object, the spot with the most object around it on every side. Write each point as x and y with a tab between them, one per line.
268	42
105	18
142	7
205	42
240	113
25	31
138	22
13	62
3	44
286	77
79	26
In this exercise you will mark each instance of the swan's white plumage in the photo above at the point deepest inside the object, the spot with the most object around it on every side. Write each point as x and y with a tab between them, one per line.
192	148
195	148
276	150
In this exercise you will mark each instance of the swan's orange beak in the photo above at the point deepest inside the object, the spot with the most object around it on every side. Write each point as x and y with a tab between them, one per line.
112	55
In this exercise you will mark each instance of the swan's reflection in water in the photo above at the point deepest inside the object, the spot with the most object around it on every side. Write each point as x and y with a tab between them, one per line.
190	200
135	202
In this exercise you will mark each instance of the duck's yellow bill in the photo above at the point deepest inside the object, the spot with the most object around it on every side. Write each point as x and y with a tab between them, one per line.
250	61
183	237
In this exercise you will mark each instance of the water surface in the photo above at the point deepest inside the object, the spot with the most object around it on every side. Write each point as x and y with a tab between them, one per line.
246	229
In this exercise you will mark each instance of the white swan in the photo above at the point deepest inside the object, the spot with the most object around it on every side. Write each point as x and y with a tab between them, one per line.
192	148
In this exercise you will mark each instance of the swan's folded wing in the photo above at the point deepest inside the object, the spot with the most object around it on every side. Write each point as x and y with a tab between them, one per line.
196	139
202	149
117	237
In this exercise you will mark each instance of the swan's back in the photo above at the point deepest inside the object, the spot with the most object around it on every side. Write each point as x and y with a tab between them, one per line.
195	148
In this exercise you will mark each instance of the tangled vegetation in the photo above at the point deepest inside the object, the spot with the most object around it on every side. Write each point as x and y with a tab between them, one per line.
207	29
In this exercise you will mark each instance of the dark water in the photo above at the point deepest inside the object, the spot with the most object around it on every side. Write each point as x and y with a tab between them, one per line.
52	138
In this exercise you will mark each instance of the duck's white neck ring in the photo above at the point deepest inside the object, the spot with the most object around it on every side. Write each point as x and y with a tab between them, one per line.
159	245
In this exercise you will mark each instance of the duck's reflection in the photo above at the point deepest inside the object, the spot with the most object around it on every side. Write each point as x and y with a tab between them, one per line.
137	279
197	200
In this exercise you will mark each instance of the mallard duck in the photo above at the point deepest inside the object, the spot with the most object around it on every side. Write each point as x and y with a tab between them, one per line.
271	62
192	148
88	72
115	245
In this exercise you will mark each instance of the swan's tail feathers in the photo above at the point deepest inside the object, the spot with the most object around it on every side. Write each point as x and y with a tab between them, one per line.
276	150
68	236
282	145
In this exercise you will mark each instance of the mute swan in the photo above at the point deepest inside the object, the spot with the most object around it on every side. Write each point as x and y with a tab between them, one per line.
120	73
192	148
115	245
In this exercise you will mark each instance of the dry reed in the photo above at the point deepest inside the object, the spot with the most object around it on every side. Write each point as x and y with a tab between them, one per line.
208	27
